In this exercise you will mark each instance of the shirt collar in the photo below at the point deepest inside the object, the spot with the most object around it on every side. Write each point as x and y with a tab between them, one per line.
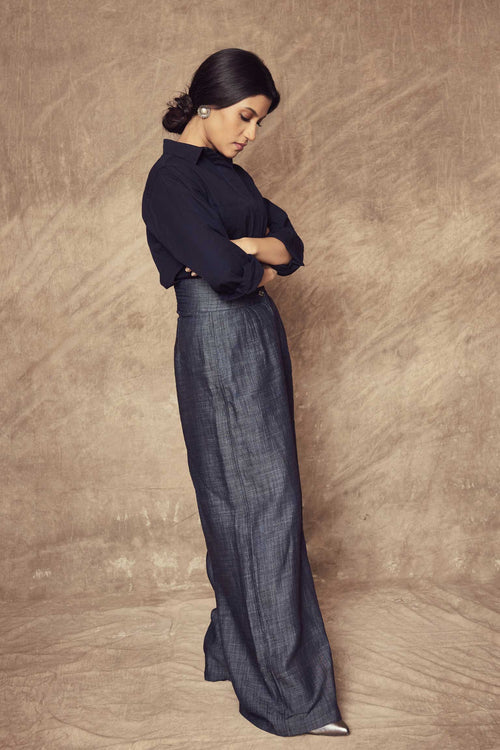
193	153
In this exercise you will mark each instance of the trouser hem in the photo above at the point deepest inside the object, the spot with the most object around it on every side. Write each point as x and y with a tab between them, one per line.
214	675
294	725
211	678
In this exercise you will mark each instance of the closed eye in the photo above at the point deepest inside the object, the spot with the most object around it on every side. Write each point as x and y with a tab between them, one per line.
247	119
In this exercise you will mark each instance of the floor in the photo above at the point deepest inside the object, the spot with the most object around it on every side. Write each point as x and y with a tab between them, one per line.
417	666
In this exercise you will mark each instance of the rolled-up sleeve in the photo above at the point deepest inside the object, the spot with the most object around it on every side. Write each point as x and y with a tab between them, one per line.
281	227
177	212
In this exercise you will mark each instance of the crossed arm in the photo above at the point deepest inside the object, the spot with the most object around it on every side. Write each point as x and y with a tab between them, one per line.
265	249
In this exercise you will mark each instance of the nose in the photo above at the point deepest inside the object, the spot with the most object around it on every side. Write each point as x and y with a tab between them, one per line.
251	131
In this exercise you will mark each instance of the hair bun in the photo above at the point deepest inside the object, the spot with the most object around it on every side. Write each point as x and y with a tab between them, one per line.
179	112
185	103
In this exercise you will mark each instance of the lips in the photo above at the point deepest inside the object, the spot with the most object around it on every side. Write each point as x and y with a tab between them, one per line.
240	145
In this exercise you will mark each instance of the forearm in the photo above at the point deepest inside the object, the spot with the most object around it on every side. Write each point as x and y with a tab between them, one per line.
271	250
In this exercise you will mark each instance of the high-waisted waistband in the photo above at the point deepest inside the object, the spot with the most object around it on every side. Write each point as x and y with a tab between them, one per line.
195	295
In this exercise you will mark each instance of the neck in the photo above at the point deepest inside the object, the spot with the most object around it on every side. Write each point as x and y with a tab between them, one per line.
193	133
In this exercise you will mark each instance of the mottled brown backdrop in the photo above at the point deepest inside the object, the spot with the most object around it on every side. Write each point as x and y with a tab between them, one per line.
384	153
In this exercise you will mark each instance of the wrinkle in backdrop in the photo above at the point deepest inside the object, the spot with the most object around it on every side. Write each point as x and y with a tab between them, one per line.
384	153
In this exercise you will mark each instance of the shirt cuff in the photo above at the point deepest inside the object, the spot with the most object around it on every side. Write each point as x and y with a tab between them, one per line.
295	247
252	273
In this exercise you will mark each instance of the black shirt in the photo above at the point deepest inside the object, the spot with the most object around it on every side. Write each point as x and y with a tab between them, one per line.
195	201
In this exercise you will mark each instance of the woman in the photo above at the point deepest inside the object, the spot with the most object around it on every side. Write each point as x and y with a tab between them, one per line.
219	242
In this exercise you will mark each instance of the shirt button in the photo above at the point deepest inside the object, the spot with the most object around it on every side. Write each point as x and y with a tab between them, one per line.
261	292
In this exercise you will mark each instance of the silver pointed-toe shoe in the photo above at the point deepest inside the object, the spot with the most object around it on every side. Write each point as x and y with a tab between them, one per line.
334	729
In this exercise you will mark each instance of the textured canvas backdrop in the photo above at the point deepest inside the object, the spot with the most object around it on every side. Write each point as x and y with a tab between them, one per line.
384	153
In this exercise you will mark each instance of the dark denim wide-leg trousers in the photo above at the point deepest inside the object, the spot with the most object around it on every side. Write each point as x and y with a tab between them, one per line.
234	386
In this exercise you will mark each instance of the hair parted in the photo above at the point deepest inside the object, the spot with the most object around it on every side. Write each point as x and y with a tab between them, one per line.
224	78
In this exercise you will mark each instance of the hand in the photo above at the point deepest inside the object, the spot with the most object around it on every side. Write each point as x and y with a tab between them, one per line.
193	273
269	274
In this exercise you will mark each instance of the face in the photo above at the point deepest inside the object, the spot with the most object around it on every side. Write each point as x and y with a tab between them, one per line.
238	124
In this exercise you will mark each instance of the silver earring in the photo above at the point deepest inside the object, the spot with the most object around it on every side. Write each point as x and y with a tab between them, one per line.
203	111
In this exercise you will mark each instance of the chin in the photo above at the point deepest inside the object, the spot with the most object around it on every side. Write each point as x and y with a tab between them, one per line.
223	150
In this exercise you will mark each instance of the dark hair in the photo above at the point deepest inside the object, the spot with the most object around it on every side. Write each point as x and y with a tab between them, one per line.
224	78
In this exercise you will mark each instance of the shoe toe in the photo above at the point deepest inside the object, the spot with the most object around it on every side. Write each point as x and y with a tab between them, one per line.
334	729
